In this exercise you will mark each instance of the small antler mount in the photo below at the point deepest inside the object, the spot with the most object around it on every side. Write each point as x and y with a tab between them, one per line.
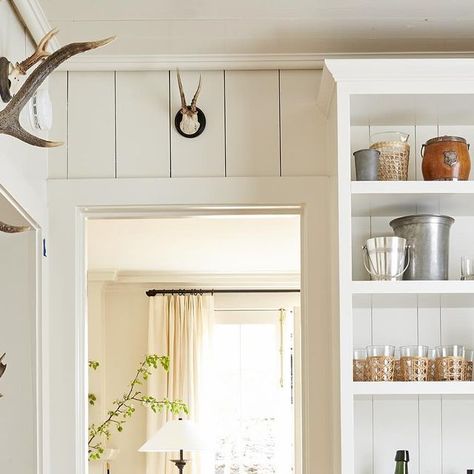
3	367
190	120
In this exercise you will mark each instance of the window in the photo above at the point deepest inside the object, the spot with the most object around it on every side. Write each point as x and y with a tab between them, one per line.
253	354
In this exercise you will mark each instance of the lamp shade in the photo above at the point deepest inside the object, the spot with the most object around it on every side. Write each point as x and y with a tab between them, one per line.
176	435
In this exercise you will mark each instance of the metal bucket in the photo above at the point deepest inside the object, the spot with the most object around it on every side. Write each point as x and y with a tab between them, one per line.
385	257
428	237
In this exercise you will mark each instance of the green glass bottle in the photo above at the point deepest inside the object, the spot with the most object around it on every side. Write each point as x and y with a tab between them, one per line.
401	460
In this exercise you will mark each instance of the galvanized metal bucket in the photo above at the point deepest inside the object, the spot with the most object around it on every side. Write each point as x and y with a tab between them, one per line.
386	258
428	237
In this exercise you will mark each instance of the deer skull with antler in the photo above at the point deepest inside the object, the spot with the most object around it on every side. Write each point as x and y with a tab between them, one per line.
190	120
10	115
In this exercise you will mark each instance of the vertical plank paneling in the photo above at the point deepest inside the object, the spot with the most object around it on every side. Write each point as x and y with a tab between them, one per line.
252	123
395	320
57	157
91	124
395	427
458	435
429	320
303	125
363	436
205	154
430	434
423	133
142	124
362	316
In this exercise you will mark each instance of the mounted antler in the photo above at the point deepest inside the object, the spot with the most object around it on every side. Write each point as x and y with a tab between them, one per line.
8	70
39	54
190	120
10	115
3	367
13	229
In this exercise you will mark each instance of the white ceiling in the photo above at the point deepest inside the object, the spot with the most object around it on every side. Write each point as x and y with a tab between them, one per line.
266	26
238	244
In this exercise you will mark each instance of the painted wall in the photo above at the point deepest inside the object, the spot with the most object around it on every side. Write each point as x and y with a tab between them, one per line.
121	125
18	440
23	168
23	173
118	332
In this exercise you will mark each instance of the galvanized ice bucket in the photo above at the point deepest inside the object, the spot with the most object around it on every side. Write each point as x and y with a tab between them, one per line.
386	258
428	237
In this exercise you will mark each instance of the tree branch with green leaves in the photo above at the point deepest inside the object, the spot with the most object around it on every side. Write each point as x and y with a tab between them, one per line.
124	407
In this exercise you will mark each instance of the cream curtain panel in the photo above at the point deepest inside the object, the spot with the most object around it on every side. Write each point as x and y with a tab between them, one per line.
179	326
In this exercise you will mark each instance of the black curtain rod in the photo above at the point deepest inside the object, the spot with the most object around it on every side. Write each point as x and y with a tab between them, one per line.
201	292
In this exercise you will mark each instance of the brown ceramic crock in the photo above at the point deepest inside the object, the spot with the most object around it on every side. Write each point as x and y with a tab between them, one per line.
446	159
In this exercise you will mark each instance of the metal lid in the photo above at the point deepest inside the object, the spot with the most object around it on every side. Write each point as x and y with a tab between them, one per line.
446	138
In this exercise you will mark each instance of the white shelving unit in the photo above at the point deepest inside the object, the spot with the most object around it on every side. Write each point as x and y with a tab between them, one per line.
412	287
433	420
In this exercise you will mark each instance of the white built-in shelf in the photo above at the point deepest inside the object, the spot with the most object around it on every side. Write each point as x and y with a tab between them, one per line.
412	287
413	388
412	109
393	198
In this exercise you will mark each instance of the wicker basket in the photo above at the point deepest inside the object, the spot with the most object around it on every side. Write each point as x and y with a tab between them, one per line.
393	161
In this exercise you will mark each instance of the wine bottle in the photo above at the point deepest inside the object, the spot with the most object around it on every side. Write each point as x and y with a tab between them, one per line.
401	460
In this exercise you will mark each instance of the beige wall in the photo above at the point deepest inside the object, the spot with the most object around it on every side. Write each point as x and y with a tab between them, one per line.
118	320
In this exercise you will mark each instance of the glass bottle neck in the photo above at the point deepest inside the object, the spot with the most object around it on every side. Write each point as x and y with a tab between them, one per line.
401	467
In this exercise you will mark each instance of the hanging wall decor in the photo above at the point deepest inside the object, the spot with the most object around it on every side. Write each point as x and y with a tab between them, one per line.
190	120
10	115
13	229
9	72
3	367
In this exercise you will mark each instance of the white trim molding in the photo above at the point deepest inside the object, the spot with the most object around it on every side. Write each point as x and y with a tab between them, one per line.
167	280
203	62
35	20
72	202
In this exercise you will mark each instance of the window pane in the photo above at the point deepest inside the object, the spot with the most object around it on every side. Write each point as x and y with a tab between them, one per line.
254	411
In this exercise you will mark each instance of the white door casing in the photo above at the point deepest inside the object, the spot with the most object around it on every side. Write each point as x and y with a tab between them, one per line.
72	202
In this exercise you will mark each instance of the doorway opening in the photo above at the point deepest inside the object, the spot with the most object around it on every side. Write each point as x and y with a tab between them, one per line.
238	374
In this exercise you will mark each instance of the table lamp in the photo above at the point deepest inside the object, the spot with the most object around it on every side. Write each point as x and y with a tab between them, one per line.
176	435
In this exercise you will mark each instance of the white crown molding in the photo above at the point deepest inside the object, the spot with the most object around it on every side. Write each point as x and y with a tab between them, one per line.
199	280
35	20
202	62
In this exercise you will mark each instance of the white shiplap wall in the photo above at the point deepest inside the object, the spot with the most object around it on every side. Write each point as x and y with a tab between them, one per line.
121	124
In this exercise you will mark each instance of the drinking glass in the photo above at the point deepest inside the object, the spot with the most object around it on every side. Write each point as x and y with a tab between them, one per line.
432	365
414	363
380	363
467	268
359	360
450	363
468	364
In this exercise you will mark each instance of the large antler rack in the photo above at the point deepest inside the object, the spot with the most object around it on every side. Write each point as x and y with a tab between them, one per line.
10	115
